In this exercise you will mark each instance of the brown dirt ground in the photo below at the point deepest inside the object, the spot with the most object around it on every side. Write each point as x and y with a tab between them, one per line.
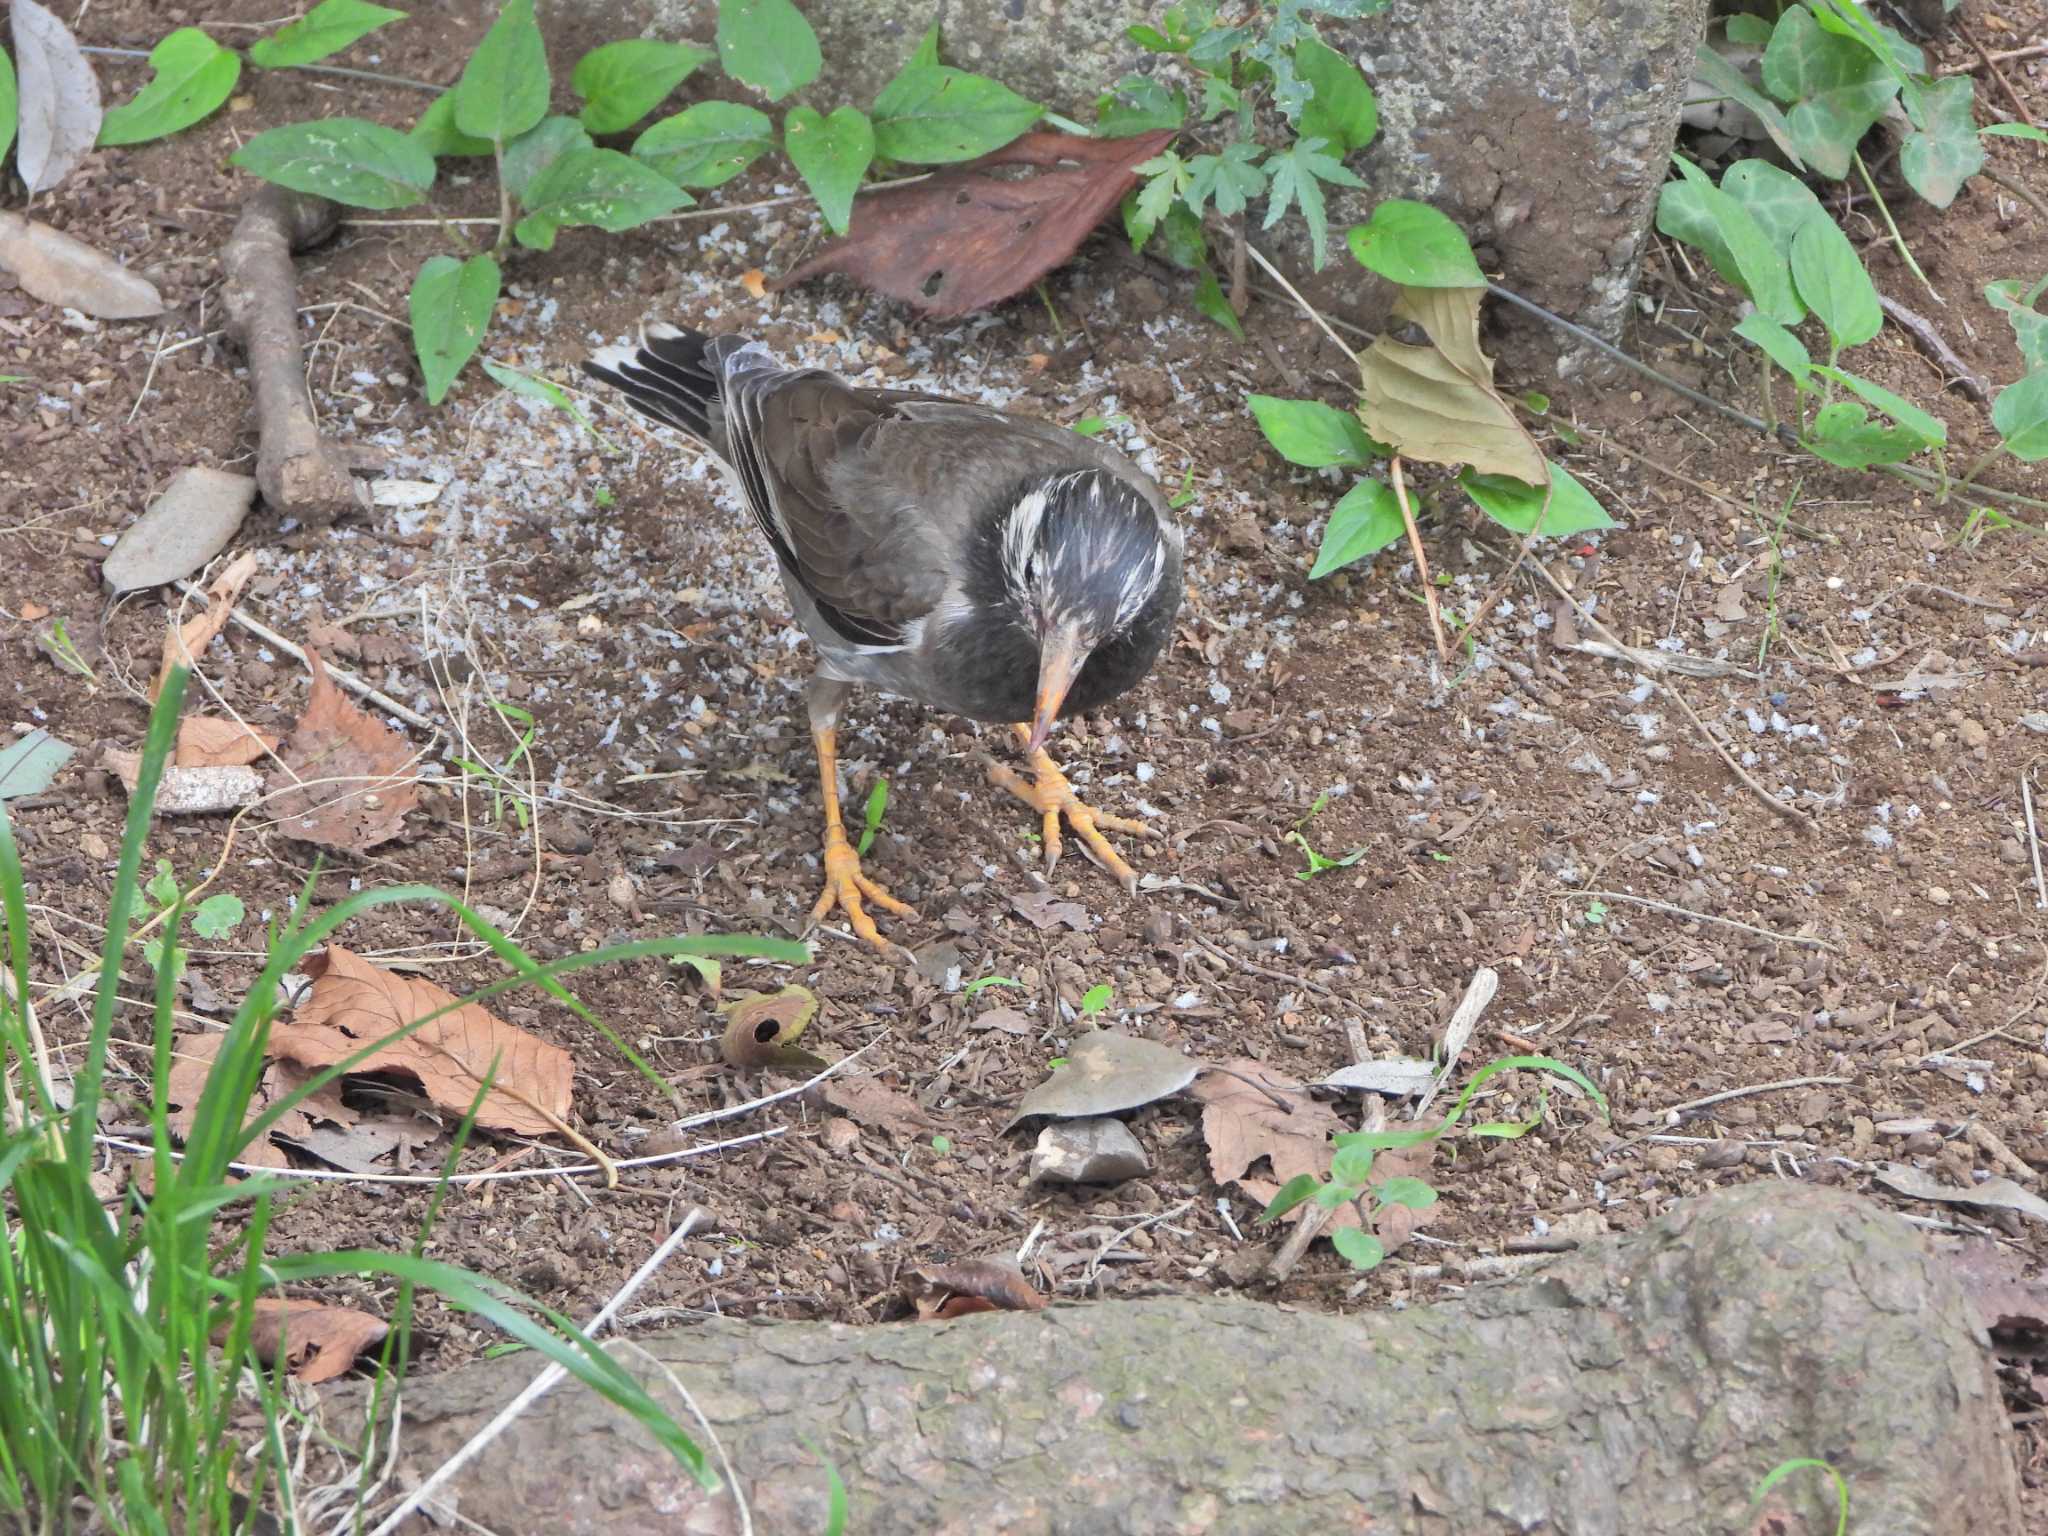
1901	666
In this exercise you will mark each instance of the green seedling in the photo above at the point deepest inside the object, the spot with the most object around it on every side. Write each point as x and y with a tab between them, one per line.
214	919
1186	493
982	984
498	782
64	651
1096	999
878	803
1095	426
943	1145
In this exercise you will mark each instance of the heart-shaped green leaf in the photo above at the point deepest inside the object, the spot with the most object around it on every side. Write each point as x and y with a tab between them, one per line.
1945	152
322	32
194	75
1416	246
1515	504
1699	213
363	164
933	115
832	154
1844	435
1363	523
1309	433
1343	109
437	134
767	44
622	82
595	186
504	86
1779	201
451	308
1830	278
2021	415
1834	87
2010	297
706	145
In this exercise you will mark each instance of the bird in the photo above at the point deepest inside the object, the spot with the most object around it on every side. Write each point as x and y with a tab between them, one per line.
974	561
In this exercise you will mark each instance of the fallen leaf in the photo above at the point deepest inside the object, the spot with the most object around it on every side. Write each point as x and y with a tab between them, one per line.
941	1291
1398	1077
354	780
192	1059
874	1103
1438	403
189	791
378	650
967	237
1993	1194
27	766
58	269
1106	1072
352	1003
34	611
366	1146
316	1341
185	645
205	742
754	282
190	523
59	98
761	1029
1043	909
405	493
1997	1285
1010	1021
1728	604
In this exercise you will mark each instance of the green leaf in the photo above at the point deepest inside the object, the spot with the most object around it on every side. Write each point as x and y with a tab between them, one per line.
504	86
10	103
2021	415
1750	31
1138	104
1343	109
217	916
767	44
1847	18
1165	179
933	115
1514	504
1297	177
531	386
595	186
1296	1190
1309	433
1413	1194
1359	1246
437	134
1946	151
1365	522
1229	180
1211	302
622	82
1332	1195
1352	1165
2016	131
832	154
537	149
1096	999
363	164
322	32
706	145
1719	75
1414	245
1704	217
1844	435
451	309
1830	278
1834	87
163	885
927	50
1927	428
877	807
1181	240
29	763
1776	343
194	75
1779	201
2029	325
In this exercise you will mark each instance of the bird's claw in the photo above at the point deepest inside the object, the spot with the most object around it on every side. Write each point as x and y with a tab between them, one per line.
848	889
1049	793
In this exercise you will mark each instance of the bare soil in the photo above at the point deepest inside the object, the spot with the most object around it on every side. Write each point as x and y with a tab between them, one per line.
1886	964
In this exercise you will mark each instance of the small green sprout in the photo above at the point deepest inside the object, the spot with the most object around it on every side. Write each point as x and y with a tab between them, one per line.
943	1145
878	802
982	984
1096	999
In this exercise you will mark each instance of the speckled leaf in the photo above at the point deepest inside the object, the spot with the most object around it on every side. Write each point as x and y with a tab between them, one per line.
1945	152
595	186
451	308
832	154
706	145
321	33
622	82
538	148
504	86
363	164
767	44
1107	1072
1834	88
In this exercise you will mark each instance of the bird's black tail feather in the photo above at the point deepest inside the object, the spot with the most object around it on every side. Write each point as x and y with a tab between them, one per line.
674	376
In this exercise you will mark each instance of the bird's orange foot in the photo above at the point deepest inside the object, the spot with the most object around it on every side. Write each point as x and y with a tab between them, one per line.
850	891
1048	792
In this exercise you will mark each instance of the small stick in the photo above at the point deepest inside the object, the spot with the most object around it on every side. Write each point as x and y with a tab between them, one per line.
1436	618
1478	993
1751	1092
1260	970
1748	781
1997	74
1306	1230
2009	56
1295	294
1930	341
2034	841
1500	588
1698	917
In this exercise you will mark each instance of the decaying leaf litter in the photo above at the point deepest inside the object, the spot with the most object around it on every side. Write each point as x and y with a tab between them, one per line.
620	604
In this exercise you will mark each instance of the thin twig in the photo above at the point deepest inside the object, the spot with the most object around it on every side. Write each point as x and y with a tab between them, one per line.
1262	970
1748	780
2009	56
1997	74
2018	189
2034	841
1436	617
543	1383
1307	1228
1698	917
1295	294
1931	342
1751	1092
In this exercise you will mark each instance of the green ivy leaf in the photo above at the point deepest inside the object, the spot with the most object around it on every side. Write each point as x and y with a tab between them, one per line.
832	154
217	916
1718	74
622	82
1138	104
436	132
767	44
1360	1247
363	164
1211	301
2009	297
504	86
1829	277
1296	1190
1230	180
1750	31
538	148
1297	177
1776	343
1352	1165
194	75
1181	240
933	115
1413	1194
1834	88
10	103
1927	428
1514	504
1312	434
1365	522
2021	415
1844	435
1699	213
451	309
595	186
322	32
1416	246
1343	108
1096	999
1779	201
706	145
1946	151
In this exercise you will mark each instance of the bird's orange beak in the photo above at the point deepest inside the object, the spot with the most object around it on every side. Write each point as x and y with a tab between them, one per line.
1059	662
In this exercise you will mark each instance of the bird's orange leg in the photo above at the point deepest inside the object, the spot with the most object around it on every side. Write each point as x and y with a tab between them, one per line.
845	886
1048	792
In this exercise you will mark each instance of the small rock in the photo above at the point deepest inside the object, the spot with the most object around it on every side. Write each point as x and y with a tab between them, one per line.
841	1135
1662	1159
620	890
1242	534
569	836
1972	735
184	528
939	964
1724	1154
1159	929
2011	851
1099	1151
1939	895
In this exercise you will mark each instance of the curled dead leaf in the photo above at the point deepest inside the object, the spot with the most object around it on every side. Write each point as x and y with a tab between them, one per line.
316	1341
205	742
973	235
1438	403
353	1002
185	645
761	1029
1107	1072
941	1291
355	779
192	1058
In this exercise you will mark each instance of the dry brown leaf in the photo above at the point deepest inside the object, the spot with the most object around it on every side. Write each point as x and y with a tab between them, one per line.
192	1058
318	1342
378	650
355	783
1107	1072
762	1028
874	1103
183	647
940	1291
353	1002
965	238
205	742
1438	403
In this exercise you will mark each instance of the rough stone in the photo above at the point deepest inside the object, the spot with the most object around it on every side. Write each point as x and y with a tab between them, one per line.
1087	1152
